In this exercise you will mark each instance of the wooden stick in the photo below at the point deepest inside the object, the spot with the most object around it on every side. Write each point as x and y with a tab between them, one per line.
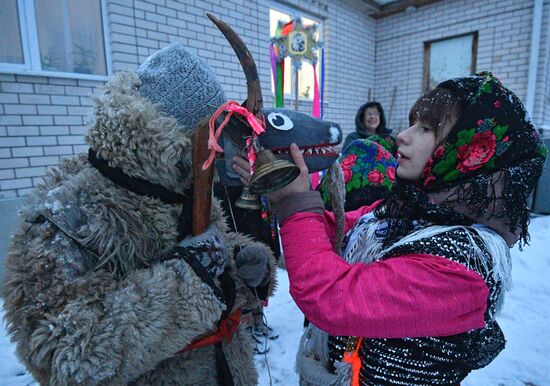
392	105
202	180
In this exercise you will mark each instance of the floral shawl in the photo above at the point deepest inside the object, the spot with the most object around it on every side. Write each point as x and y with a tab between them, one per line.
387	141
369	173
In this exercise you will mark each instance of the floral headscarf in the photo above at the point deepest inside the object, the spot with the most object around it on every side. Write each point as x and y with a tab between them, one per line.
483	171
387	142
369	173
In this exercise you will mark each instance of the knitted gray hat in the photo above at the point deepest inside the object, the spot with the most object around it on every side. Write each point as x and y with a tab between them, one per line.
181	84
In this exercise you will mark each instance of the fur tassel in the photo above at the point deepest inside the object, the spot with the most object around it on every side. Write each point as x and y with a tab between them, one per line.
502	261
343	374
312	358
337	194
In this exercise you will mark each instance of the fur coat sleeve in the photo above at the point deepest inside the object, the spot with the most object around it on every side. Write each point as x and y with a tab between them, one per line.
75	322
89	327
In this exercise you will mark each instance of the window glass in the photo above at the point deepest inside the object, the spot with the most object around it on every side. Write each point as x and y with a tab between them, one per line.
11	50
305	74
450	58
70	36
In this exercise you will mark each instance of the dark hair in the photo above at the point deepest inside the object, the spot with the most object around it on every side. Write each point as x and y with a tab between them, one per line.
381	128
372	104
435	107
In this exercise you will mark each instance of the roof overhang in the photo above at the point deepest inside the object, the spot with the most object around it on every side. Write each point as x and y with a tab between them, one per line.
383	8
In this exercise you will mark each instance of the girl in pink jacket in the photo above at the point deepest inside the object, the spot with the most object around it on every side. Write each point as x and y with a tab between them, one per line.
412	297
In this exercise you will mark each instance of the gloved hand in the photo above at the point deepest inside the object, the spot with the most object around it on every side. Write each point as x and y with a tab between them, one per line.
209	249
252	264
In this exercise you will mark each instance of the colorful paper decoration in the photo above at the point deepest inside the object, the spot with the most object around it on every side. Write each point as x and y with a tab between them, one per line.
294	40
297	42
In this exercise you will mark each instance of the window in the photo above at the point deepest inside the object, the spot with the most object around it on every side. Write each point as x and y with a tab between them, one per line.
54	37
11	49
449	58
305	74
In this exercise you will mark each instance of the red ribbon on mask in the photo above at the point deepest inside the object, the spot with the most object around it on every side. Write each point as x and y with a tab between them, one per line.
232	107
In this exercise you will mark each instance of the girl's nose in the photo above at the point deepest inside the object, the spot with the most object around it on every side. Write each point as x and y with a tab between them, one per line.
403	137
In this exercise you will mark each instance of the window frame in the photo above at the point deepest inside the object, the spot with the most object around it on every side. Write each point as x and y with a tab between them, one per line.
293	12
427	47
31	48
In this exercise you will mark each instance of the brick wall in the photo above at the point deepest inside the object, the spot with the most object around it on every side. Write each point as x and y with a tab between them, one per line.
43	118
544	78
351	62
504	40
541	112
348	35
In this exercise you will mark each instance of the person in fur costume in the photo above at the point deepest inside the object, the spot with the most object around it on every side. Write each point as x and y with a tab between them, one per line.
104	283
412	297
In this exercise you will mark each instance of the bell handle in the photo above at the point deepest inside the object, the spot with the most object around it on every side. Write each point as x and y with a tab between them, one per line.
247	200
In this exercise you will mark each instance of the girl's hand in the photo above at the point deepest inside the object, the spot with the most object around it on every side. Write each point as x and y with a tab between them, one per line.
300	184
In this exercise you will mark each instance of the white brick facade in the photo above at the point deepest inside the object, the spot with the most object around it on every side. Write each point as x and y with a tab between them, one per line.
45	118
504	41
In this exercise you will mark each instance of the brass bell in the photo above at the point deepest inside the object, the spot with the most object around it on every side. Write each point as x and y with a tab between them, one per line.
248	200
271	173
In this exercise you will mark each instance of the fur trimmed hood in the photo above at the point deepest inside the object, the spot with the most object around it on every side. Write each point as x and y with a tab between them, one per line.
131	133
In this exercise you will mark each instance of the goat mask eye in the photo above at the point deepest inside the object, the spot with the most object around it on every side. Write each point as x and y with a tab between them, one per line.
280	121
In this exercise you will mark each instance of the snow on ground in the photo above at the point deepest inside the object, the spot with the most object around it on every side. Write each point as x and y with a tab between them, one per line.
524	362
12	372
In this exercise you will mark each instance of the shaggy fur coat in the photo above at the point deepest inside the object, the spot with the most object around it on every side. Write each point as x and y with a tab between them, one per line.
88	298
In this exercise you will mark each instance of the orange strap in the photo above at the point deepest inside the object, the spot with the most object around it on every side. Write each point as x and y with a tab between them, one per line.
355	362
226	329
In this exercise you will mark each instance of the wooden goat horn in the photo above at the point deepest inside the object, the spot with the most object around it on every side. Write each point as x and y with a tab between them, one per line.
254	102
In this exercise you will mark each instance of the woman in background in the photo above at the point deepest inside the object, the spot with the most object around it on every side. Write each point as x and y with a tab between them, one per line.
370	121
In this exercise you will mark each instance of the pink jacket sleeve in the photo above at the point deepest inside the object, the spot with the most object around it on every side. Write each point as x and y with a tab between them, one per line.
406	296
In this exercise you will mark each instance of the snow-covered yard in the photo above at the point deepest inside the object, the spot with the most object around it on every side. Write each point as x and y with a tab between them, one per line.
525	361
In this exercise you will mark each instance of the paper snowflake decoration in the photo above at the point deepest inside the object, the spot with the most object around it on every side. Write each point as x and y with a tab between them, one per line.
298	44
